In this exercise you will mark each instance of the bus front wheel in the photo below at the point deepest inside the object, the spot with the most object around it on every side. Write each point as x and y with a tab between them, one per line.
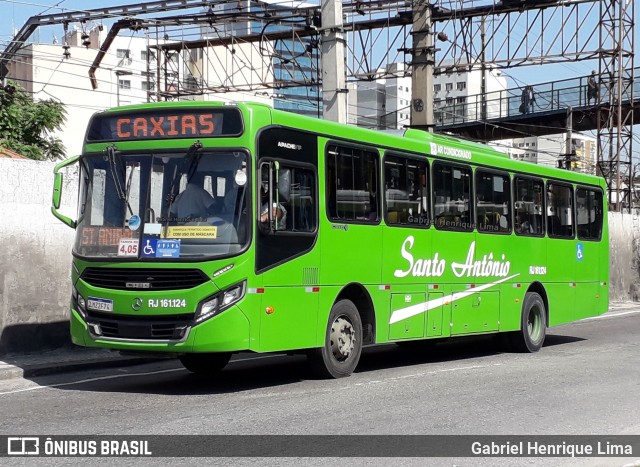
205	363
533	325
343	342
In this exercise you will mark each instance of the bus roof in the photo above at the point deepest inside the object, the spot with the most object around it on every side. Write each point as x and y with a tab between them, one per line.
411	140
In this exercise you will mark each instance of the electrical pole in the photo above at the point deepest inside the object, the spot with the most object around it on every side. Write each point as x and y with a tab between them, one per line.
334	88
422	67
569	153
483	70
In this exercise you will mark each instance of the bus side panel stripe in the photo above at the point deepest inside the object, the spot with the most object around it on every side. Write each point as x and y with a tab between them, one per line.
413	310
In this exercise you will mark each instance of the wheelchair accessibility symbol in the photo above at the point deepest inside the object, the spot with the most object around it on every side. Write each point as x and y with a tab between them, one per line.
579	252
149	247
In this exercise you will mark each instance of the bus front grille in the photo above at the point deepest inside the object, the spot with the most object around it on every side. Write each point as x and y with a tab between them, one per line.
172	327
143	279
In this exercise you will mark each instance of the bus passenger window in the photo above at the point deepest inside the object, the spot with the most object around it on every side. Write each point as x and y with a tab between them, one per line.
292	197
560	211
589	210
493	203
405	191
528	207
352	185
452	197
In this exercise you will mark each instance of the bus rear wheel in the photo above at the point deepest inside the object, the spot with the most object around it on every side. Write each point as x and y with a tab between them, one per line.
205	363
343	343
533	325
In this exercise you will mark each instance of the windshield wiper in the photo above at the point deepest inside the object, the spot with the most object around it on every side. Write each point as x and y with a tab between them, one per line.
194	156
121	192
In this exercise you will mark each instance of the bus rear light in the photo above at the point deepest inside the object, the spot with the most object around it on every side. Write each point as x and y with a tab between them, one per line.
312	289
434	286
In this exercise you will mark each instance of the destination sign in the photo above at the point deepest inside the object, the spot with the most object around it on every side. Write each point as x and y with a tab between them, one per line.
165	124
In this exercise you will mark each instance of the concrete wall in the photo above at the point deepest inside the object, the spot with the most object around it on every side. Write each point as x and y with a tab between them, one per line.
35	257
624	257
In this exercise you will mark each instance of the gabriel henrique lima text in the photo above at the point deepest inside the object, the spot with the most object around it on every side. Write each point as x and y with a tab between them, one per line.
533	448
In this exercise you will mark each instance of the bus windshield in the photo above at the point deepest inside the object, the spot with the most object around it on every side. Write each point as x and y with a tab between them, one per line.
163	206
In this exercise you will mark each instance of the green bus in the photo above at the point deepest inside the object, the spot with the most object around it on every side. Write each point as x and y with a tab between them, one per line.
206	229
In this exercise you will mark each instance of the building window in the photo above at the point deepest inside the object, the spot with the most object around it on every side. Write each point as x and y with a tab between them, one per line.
172	57
123	53
461	85
148	85
461	100
144	55
449	86
449	101
436	103
124	83
437	87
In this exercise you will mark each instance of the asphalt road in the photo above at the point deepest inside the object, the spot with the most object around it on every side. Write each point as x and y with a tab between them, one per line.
586	380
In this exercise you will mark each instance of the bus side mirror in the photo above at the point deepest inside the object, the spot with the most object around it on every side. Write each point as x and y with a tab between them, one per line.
57	192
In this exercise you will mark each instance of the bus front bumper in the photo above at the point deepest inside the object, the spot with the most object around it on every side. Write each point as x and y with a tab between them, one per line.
226	332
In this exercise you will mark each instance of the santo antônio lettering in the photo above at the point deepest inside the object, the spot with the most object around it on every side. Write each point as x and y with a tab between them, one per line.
165	126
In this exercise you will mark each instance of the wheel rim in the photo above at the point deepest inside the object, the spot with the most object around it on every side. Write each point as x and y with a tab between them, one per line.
343	338
534	324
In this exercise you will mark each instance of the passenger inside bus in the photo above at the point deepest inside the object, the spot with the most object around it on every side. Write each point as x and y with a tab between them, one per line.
279	212
194	202
523	225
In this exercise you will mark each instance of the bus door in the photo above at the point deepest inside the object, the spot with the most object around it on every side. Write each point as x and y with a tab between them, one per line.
589	255
286	219
562	253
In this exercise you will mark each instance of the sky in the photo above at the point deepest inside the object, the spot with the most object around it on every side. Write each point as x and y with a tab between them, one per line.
14	13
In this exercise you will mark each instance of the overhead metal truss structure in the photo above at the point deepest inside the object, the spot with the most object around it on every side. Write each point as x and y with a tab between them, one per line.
268	48
615	116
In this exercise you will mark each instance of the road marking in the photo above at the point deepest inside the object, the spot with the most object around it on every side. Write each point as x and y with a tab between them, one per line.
612	315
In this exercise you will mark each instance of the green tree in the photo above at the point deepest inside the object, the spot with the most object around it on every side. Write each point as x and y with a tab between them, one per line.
26	125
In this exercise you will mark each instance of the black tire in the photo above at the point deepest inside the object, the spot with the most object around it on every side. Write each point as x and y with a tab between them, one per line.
205	363
343	343
533	325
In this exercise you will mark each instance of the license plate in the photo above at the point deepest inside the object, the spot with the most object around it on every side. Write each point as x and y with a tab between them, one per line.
100	304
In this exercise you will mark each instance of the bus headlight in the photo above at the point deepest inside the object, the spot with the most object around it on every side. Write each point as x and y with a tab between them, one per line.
79	302
220	302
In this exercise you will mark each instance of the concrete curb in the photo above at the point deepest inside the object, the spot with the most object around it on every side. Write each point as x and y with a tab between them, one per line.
34	366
